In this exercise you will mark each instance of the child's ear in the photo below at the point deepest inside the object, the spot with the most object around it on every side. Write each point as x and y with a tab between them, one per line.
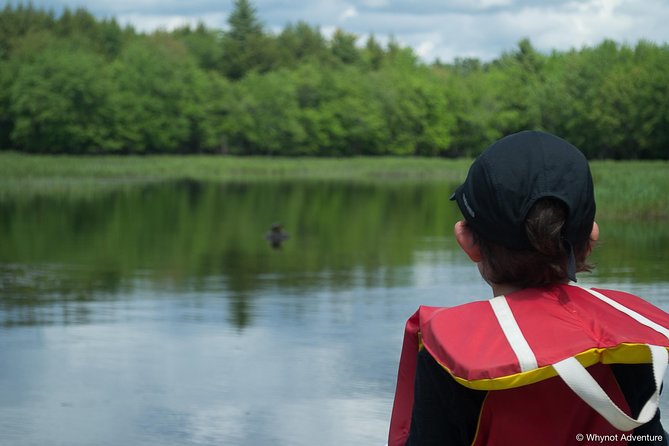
466	241
594	237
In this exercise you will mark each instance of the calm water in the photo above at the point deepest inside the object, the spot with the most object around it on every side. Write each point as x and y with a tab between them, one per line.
160	315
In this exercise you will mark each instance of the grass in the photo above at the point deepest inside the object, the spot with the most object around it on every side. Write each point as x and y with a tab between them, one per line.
37	174
625	190
207	167
632	190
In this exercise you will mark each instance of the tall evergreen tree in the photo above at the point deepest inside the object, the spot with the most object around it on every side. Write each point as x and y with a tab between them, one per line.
299	42
343	47
373	53
245	45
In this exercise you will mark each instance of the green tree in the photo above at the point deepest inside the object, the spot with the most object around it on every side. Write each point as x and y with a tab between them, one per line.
203	44
415	108
299	43
373	53
398	55
354	117
59	99
17	22
264	116
6	122
105	37
584	117
520	74
343	47
156	104
245	45
652	100
478	111
312	88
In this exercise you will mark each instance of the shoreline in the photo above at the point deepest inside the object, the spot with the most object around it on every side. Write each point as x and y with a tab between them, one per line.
624	190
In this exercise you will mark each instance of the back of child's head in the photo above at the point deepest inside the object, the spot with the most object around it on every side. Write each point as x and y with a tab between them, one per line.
529	202
546	261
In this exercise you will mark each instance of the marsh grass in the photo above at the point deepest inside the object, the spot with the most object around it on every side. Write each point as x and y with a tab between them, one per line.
632	190
68	168
626	190
38	174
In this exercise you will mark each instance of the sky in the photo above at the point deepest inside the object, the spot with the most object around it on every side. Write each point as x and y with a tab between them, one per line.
435	29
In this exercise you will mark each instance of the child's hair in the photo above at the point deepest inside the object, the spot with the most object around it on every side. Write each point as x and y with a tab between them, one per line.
543	264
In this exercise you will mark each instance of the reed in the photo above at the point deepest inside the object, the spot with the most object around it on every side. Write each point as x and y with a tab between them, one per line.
624	189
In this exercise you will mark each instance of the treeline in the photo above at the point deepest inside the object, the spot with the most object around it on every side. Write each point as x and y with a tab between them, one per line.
71	83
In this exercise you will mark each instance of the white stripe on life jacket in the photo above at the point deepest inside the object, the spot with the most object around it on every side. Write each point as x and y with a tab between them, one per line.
631	313
519	345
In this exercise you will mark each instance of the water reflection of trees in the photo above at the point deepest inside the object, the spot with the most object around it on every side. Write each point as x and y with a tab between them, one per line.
633	250
46	294
179	235
59	254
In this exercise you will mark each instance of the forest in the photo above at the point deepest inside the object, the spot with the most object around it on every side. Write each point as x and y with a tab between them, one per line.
73	83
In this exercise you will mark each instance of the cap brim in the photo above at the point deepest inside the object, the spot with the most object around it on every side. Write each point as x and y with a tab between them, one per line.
454	195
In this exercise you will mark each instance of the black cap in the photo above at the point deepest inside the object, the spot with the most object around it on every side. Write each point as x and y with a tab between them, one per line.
512	174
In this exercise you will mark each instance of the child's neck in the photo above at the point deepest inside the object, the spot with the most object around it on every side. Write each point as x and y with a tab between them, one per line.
502	289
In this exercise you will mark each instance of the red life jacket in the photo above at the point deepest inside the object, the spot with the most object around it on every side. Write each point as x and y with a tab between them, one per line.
530	349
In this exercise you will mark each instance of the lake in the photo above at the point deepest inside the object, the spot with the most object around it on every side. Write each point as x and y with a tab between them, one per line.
159	314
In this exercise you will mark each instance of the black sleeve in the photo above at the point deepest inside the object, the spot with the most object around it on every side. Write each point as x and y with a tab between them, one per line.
444	412
638	384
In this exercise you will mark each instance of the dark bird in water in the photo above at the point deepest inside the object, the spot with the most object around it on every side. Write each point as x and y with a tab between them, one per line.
275	236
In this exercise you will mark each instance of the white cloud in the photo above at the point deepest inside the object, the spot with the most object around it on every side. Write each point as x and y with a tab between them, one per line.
574	25
328	31
481	4
426	47
454	28
348	13
375	3
148	23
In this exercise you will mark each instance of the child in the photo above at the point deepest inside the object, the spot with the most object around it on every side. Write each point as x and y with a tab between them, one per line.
545	361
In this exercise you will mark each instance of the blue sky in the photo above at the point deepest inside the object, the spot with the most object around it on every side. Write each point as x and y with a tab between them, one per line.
445	29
